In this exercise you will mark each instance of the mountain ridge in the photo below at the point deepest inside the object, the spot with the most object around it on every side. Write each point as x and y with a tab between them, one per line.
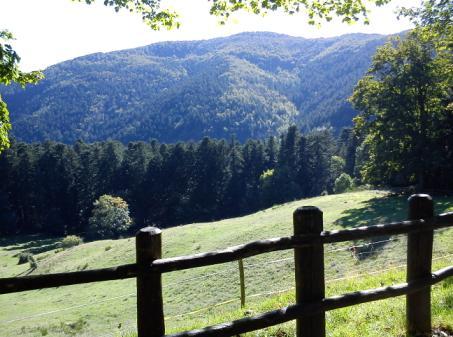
250	85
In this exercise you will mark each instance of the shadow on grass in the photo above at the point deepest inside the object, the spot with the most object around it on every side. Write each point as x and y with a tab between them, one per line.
374	211
382	210
34	244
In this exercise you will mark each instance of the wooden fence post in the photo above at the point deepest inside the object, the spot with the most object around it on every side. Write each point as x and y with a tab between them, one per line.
150	309
309	271
419	260
242	282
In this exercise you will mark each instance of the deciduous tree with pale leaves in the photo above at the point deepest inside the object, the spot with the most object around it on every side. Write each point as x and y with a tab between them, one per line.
110	217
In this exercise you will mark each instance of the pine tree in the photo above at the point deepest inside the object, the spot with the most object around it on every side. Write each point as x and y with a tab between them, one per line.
235	192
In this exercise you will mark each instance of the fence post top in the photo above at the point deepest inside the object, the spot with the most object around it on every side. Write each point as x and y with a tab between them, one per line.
149	231
416	197
421	206
307	219
307	210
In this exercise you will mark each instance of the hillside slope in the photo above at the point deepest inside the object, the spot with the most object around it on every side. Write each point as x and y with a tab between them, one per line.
252	85
93	309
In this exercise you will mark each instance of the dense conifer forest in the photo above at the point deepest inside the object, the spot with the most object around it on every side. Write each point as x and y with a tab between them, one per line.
50	187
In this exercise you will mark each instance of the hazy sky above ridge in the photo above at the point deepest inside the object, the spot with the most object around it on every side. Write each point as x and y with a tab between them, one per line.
51	31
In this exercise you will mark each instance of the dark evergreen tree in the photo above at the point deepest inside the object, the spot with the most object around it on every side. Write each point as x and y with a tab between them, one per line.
55	184
131	176
254	166
109	164
209	178
320	148
86	182
23	193
285	175
347	146
302	174
150	190
8	218
271	150
235	192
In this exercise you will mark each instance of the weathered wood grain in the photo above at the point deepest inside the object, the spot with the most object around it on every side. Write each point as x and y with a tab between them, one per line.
419	260
150	306
309	271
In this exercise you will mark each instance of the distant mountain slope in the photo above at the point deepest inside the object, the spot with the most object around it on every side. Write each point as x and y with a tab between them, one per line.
250	85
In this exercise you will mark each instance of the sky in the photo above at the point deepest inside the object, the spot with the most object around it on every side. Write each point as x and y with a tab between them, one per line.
51	31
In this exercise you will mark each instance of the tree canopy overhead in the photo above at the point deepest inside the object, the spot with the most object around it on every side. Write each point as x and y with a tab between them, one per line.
9	73
155	14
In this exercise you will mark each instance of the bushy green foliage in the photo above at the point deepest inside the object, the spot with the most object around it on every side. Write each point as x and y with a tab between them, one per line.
266	175
10	73
343	183
71	241
110	217
337	166
27	257
24	257
5	125
405	104
157	17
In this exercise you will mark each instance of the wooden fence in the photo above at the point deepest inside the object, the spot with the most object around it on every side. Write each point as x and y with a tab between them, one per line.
308	244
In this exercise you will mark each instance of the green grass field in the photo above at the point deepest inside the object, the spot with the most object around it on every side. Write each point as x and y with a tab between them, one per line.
202	296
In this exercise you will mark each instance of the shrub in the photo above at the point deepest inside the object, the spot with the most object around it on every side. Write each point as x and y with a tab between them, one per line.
44	331
24	257
70	241
110	217
337	166
32	261
73	328
343	183
267	174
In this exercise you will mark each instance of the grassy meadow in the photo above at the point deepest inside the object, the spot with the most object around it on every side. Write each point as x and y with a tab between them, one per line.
202	296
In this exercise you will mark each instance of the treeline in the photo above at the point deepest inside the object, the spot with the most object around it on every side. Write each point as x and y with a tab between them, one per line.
50	187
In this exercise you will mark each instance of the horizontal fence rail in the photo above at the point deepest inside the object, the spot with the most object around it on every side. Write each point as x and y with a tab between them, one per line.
34	282
292	312
275	244
307	242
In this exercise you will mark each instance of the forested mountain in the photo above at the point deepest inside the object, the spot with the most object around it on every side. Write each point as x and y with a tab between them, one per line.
252	85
